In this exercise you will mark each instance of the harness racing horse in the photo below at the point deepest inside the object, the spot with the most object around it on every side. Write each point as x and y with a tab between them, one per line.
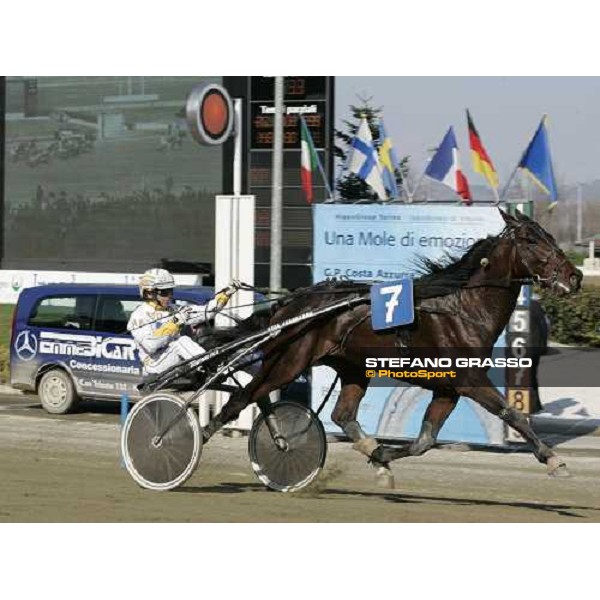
465	304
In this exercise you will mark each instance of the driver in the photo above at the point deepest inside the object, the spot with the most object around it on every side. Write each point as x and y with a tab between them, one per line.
156	324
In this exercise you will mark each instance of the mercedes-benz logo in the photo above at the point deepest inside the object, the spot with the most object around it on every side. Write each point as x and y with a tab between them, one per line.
26	346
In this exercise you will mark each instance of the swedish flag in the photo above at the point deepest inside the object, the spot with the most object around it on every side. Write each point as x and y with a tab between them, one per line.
389	161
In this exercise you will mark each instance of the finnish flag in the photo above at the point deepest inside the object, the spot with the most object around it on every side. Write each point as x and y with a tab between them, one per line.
364	160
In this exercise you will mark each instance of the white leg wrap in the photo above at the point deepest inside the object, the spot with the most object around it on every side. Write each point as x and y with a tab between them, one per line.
366	446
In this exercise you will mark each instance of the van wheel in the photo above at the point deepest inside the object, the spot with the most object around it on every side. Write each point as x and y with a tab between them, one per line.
57	392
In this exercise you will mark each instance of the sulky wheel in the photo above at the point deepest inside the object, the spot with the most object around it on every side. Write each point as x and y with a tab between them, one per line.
304	449
161	462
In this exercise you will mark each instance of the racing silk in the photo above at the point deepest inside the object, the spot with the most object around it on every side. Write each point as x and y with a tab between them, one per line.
153	328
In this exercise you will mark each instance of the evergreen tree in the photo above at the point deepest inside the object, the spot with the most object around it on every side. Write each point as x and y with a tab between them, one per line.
350	187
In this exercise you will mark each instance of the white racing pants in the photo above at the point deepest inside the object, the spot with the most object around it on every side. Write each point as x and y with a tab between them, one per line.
179	350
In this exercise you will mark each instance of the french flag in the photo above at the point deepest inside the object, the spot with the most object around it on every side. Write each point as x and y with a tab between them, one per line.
445	168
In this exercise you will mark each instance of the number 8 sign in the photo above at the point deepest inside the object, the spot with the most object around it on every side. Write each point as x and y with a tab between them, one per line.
392	304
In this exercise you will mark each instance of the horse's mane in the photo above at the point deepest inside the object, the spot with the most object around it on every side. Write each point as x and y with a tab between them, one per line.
446	275
438	277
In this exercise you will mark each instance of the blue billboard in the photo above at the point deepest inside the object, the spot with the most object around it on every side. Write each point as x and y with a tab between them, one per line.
383	243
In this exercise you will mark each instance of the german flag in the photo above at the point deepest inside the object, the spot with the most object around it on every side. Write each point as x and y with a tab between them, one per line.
481	161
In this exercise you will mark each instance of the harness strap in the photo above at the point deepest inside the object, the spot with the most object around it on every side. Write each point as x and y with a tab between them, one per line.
328	395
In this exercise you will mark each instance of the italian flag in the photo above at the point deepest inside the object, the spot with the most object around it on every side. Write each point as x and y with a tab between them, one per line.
310	161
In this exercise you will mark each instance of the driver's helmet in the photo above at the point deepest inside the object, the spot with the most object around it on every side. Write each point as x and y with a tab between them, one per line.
154	280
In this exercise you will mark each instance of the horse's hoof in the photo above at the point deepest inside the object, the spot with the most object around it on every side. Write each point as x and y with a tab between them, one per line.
385	478
557	467
366	446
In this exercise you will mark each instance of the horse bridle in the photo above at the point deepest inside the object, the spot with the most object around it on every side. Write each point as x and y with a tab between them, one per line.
522	252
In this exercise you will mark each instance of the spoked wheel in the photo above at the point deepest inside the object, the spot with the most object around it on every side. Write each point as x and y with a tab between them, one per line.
300	459
161	462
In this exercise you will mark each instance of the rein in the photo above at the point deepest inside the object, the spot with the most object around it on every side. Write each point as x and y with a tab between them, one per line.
250	288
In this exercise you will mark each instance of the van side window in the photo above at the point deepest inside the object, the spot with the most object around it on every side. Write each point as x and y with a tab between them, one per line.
64	312
114	312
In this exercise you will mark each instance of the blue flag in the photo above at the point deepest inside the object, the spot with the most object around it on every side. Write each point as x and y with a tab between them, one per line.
537	162
389	161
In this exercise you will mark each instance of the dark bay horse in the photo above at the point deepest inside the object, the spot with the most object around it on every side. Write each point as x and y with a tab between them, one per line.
466	304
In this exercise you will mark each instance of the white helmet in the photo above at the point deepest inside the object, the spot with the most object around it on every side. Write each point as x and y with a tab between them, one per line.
156	279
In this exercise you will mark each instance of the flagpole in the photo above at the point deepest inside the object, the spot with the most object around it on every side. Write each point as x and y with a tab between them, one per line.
579	214
405	186
420	181
275	275
418	184
507	186
496	195
322	170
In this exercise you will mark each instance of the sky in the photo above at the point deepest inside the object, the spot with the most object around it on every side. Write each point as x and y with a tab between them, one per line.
506	112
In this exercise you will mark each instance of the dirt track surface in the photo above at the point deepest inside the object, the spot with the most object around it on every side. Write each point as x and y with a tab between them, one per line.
67	469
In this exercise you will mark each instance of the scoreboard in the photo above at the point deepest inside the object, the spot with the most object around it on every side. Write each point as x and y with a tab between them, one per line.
306	96
313	99
262	121
296	88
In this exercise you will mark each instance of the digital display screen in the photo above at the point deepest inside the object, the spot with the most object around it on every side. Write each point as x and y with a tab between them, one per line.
109	167
295	88
263	119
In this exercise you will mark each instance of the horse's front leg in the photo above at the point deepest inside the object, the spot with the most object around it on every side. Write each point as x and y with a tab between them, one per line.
488	396
437	413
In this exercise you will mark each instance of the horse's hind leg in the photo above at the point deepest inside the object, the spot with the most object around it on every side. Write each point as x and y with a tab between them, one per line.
436	415
276	372
237	402
438	411
488	397
354	386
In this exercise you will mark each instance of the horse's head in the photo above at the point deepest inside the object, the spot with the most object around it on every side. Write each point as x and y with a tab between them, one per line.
540	257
